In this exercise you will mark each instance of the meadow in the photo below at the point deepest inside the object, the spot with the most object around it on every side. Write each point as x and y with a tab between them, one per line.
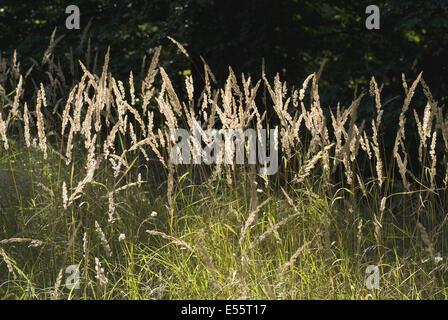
86	182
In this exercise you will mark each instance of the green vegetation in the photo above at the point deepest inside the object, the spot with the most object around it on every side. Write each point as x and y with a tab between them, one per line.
85	179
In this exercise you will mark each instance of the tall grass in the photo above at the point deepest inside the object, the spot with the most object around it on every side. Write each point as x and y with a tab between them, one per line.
86	179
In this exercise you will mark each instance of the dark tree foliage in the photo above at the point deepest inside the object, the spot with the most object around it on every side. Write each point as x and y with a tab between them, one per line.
293	37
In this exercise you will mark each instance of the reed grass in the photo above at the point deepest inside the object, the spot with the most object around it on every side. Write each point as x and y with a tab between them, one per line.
85	171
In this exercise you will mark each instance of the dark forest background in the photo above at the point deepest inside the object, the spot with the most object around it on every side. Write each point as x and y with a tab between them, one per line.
292	36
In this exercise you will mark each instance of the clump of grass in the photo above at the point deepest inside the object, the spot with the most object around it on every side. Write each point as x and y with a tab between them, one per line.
94	187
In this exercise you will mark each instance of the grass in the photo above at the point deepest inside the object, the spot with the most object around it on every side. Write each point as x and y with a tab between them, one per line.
86	182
